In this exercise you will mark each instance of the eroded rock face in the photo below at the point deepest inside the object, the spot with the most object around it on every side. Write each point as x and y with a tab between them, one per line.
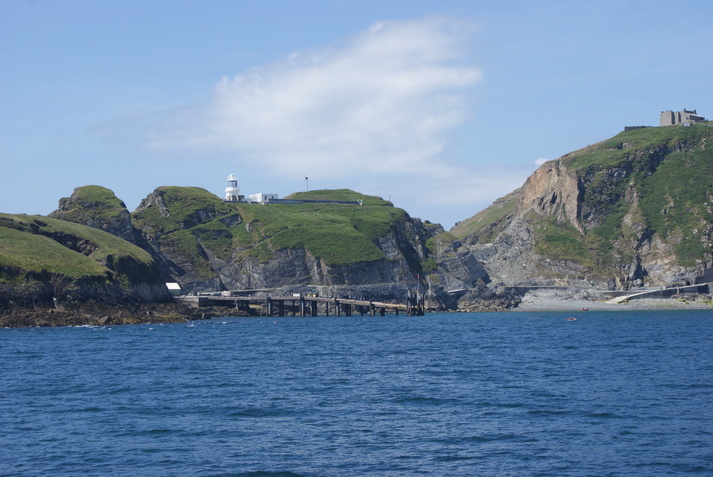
99	208
598	218
552	190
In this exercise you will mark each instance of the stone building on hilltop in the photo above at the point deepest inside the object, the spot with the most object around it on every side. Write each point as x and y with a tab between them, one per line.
685	117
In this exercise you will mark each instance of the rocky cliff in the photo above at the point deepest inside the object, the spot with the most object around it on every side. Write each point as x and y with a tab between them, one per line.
97	207
631	211
209	244
206	244
49	264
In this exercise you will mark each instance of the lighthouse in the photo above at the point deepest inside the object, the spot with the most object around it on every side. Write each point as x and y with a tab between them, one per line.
232	193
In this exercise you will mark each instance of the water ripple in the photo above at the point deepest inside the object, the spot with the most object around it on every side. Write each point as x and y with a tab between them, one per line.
623	393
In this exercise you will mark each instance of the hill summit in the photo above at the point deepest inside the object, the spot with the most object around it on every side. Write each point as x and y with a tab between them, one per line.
635	210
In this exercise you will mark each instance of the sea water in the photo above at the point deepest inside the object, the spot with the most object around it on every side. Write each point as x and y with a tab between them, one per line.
623	393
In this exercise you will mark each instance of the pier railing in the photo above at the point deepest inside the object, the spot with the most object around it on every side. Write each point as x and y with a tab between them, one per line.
302	305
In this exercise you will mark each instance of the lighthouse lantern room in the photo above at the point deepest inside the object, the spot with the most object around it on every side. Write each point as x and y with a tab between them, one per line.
232	193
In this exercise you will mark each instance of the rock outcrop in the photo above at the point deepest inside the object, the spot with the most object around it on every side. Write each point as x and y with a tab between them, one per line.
45	262
99	208
628	212
206	244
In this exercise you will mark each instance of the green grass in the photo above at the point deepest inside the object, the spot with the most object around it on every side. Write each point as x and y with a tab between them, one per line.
50	246
182	204
333	245
216	237
95	202
429	265
613	151
336	233
487	220
339	194
560	241
676	201
36	253
434	244
105	243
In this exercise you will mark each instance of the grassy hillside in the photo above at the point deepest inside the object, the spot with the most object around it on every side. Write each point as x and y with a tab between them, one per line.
648	181
42	244
339	194
195	219
615	150
487	223
36	253
651	182
93	203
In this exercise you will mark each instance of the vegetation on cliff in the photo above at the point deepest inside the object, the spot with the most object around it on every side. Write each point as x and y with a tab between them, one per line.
637	207
645	182
99	208
633	210
487	223
195	227
90	204
44	259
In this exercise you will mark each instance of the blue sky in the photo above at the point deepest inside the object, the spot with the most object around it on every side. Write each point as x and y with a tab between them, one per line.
440	106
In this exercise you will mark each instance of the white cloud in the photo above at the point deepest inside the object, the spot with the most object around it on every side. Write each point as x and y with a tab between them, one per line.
380	103
540	161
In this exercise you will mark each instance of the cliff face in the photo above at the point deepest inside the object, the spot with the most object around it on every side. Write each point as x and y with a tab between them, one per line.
628	212
631	211
552	190
207	244
53	263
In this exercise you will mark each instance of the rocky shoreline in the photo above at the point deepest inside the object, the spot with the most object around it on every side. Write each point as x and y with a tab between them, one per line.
534	302
96	314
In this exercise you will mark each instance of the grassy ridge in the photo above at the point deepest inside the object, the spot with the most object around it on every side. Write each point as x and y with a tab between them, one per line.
338	234
339	194
488	218
102	203
43	244
613	151
102	243
36	253
668	170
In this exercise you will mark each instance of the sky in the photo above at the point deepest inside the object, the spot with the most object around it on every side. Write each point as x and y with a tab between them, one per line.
440	106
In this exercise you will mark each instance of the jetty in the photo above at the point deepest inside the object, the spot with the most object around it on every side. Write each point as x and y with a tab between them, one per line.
300	304
665	292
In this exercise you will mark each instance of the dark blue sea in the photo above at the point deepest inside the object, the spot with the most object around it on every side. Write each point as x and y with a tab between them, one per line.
504	394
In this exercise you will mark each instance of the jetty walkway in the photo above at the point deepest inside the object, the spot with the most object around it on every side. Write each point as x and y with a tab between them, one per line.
302	305
662	292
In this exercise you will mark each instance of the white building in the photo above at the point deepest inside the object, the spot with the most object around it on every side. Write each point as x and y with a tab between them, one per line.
174	288
232	193
261	198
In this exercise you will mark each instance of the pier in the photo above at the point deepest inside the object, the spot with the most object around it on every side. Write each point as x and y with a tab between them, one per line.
702	288
302	305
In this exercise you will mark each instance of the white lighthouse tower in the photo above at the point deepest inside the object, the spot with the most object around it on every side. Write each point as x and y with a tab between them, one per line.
232	193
